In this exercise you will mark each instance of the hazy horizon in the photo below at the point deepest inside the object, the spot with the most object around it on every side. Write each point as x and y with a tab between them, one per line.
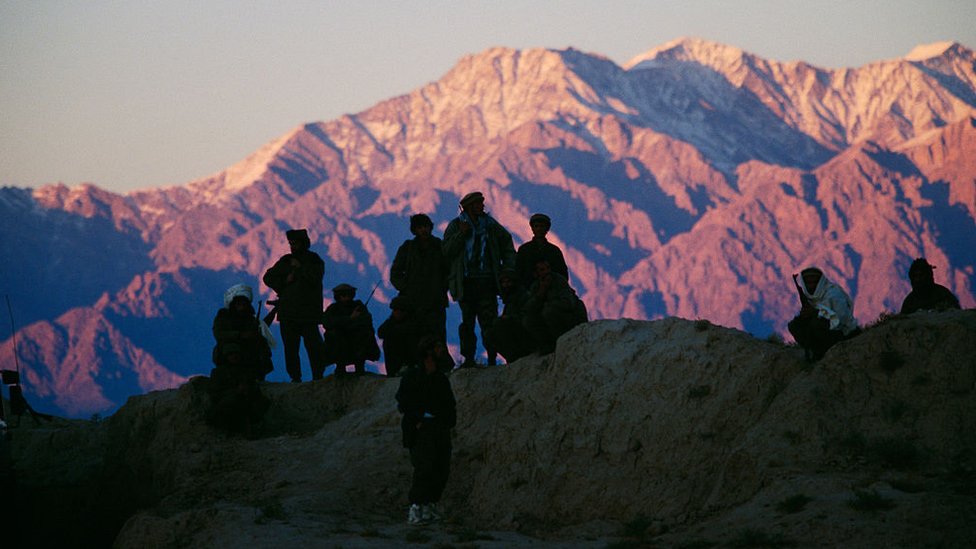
130	96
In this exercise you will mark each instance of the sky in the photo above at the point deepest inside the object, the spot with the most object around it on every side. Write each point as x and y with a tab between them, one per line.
138	94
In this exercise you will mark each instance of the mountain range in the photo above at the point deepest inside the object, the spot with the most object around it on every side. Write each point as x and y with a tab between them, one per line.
691	181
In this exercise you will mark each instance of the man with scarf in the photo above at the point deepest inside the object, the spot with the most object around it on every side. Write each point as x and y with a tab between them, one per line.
476	247
826	314
242	357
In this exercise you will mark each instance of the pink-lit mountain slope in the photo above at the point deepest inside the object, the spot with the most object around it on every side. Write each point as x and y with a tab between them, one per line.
691	181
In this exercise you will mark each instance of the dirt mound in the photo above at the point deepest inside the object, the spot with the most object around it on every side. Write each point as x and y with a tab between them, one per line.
668	432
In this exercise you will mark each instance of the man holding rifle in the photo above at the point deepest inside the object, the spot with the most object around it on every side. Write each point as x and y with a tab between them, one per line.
826	314
297	279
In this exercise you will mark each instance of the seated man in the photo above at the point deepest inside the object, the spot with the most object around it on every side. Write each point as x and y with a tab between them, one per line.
552	308
400	334
242	357
349	336
507	333
826	314
926	294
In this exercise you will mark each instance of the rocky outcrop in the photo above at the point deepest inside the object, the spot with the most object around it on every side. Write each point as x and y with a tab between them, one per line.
668	432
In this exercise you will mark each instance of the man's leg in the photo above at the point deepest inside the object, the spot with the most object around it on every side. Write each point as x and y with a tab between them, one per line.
469	312
290	340
313	348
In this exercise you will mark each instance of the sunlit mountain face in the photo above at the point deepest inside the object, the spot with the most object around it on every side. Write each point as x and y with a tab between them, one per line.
691	182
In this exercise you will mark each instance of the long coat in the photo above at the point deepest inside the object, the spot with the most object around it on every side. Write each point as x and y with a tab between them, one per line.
301	299
501	250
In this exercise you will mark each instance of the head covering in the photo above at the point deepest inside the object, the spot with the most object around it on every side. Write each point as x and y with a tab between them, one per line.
344	288
540	218
831	302
237	290
419	220
297	234
472	198
920	265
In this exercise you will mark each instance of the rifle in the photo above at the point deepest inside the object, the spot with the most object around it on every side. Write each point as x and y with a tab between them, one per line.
805	306
373	292
273	313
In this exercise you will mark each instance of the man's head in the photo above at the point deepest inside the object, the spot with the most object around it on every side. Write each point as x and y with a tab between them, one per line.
298	240
473	204
421	225
400	307
811	277
540	225
432	353
343	293
920	273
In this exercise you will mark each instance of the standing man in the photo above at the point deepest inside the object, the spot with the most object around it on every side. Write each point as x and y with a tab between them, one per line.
297	279
477	248
419	273
537	249
429	413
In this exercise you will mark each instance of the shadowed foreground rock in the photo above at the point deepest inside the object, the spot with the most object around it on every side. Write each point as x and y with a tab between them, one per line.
665	433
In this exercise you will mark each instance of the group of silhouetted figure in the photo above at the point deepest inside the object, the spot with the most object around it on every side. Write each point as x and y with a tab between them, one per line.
476	264
827	313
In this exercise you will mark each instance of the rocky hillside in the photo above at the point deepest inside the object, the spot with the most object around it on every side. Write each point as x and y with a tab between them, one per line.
669	433
691	182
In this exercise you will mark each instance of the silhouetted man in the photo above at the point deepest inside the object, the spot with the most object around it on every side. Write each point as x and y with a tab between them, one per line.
400	334
507	333
926	294
429	413
826	314
419	273
477	247
242	357
297	279
537	249
349	336
552	309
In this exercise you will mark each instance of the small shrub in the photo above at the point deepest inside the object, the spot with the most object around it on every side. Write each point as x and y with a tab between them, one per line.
865	500
882	319
793	504
890	361
775	338
701	325
758	538
700	391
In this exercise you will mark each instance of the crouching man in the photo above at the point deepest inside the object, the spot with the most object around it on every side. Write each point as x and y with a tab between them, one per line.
429	413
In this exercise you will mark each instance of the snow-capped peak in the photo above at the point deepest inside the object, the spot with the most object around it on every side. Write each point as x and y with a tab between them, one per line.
686	48
928	51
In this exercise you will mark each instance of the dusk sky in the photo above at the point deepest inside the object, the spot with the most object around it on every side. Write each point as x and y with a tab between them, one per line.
131	95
